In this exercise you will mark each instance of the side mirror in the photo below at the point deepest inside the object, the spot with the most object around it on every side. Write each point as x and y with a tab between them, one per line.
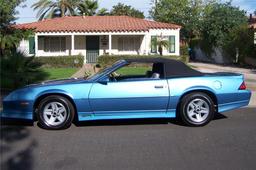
104	81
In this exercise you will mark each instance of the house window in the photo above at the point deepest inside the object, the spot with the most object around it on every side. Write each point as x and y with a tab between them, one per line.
153	44
31	41
54	44
172	44
128	44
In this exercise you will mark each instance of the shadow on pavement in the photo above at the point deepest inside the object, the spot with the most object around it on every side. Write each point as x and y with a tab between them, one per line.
120	122
16	146
155	121
16	122
114	122
219	116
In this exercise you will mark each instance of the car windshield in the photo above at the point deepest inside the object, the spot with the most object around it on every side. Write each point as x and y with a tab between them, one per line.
104	71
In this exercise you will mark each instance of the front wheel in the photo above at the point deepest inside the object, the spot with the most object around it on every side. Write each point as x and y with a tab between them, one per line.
197	109
55	112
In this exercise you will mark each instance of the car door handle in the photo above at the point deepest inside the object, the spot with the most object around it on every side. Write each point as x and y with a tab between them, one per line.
159	86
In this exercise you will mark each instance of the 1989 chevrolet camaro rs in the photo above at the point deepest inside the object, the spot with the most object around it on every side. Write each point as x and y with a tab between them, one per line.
169	89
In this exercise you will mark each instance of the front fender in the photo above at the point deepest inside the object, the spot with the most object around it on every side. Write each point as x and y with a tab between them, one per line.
54	91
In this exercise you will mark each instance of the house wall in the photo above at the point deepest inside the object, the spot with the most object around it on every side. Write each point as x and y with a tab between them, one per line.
24	47
104	45
80	45
216	56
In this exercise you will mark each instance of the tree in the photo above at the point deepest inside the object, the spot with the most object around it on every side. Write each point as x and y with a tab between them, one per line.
51	8
254	12
16	69
187	13
219	21
88	7
102	12
122	9
9	36
162	44
240	43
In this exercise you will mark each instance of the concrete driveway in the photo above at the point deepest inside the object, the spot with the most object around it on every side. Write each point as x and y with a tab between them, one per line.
228	142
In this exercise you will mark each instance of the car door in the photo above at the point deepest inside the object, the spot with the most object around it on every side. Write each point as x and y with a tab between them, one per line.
130	97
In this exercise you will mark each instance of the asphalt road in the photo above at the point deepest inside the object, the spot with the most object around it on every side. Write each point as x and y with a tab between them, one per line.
228	142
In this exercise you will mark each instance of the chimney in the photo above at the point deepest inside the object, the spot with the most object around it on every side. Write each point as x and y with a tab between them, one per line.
83	15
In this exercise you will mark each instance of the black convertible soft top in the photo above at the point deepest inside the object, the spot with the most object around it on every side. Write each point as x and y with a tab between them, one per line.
169	67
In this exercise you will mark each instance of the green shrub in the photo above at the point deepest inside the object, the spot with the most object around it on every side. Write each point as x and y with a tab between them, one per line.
184	50
61	61
18	70
107	60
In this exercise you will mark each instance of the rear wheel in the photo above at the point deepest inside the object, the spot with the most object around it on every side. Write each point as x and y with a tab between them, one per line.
197	109
55	112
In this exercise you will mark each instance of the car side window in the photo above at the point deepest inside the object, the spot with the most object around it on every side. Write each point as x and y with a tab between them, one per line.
137	72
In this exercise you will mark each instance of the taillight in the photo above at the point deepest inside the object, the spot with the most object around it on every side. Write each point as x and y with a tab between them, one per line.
242	86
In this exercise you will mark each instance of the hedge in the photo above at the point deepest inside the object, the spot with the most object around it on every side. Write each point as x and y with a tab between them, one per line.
184	50
61	61
107	60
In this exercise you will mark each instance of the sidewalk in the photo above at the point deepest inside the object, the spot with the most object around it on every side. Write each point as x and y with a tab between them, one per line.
253	100
249	73
81	73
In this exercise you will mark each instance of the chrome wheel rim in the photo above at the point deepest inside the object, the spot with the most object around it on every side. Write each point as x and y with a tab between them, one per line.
198	110
54	113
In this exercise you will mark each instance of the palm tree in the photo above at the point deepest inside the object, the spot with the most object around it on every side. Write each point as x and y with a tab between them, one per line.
87	7
51	8
18	70
102	12
11	37
161	43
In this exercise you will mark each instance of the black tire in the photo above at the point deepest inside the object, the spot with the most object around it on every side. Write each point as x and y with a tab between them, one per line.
65	103
189	100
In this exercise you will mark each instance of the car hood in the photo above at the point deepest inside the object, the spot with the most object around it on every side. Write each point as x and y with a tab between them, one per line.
59	82
19	93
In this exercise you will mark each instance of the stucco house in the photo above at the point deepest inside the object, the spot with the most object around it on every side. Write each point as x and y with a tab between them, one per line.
92	36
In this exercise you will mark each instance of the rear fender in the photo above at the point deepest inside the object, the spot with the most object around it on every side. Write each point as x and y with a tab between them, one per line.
176	99
195	88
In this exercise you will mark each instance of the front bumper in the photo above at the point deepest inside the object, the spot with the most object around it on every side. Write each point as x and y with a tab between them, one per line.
17	109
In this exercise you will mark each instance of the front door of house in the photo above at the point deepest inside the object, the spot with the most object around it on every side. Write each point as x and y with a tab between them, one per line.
92	48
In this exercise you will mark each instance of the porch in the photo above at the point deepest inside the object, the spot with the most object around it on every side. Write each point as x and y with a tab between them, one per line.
90	46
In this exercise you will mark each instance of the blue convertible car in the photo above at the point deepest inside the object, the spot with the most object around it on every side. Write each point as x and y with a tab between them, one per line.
168	89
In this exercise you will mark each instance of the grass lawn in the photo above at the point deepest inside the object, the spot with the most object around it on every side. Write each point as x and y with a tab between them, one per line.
60	73
133	70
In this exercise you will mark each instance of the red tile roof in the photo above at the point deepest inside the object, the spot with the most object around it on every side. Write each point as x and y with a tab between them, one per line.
95	24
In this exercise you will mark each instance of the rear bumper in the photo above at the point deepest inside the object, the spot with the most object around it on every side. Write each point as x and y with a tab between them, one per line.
244	99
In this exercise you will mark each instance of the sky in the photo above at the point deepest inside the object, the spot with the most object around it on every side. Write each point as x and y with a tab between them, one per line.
26	14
